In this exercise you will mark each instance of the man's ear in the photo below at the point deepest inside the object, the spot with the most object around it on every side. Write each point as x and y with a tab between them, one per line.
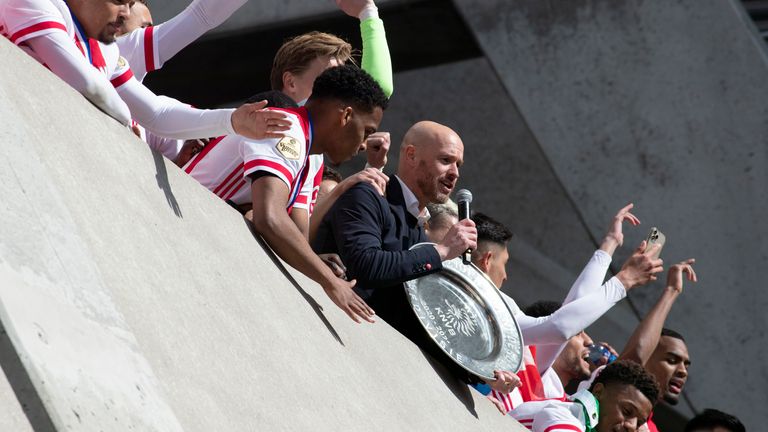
289	83
346	115
485	261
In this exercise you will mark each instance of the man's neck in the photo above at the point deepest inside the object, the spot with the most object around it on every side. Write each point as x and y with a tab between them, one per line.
412	187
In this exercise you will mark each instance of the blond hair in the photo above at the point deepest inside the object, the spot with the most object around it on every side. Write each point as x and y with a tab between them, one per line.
297	53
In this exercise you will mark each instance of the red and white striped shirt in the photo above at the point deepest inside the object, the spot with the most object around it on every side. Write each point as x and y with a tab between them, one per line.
225	163
308	195
21	20
559	416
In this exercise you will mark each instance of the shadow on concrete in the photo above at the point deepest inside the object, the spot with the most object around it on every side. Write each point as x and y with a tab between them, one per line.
22	386
314	304
459	388
162	182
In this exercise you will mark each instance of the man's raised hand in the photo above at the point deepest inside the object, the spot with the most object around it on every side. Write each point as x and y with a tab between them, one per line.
459	238
354	8
675	275
615	236
253	121
340	291
641	267
376	148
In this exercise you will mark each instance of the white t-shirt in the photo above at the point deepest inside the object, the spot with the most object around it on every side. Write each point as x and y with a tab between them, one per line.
225	163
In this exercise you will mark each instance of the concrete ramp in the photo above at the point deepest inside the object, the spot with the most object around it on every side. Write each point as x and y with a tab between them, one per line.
133	299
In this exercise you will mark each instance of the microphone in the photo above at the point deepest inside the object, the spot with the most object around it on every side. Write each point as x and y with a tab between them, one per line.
464	198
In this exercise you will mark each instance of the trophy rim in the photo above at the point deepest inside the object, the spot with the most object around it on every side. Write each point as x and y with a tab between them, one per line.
489	290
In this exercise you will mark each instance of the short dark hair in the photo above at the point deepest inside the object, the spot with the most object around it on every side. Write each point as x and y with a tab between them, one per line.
489	229
274	98
351	85
629	372
711	418
331	174
542	308
671	333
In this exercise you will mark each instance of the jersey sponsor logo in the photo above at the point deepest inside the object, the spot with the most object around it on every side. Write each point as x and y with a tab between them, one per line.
289	148
121	62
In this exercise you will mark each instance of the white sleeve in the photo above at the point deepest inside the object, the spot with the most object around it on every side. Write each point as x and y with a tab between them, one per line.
556	418
587	283
168	147
283	158
147	49
571	318
57	51
592	276
170	118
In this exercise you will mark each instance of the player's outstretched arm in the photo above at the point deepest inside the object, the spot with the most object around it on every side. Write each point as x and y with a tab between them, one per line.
199	17
643	341
62	57
169	118
272	222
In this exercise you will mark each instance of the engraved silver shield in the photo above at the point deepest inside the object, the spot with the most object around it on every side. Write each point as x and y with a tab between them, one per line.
466	317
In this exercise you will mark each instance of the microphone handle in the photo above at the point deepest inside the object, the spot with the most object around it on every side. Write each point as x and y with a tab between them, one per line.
466	257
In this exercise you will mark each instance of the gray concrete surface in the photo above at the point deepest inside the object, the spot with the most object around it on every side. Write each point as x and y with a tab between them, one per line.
12	416
136	300
661	103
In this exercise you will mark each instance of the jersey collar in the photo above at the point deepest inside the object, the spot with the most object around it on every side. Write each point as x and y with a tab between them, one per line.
590	407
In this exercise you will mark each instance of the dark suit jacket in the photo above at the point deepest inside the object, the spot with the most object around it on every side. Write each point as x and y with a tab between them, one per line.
372	235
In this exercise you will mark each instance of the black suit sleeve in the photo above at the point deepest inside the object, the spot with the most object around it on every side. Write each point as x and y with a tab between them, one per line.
357	222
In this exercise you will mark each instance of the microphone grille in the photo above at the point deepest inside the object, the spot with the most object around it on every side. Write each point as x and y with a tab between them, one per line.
464	195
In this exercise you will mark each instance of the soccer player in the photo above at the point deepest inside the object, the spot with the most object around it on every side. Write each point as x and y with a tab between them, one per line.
620	399
346	106
296	65
74	40
571	364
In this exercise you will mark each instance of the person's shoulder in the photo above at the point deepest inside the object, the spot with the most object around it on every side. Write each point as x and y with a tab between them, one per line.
364	190
557	416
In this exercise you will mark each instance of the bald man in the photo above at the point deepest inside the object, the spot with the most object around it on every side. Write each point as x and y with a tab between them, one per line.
373	233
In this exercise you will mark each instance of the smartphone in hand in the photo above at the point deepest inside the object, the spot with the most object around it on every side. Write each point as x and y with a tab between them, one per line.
655	237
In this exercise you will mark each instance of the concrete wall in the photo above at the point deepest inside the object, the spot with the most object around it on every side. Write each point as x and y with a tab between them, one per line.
661	103
136	300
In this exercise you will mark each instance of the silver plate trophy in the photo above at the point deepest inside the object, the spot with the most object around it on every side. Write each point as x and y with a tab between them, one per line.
464	314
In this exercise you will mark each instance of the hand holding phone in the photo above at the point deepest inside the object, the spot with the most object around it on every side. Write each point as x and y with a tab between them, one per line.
655	237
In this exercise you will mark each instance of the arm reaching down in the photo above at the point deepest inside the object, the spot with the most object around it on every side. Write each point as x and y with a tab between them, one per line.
59	53
272	222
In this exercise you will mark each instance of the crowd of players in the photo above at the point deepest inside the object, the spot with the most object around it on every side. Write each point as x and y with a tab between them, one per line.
353	236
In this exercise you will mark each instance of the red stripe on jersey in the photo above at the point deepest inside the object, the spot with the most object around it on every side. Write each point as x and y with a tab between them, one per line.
301	199
269	164
228	180
235	190
224	193
97	58
202	154
149	48
564	426
37	27
122	79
